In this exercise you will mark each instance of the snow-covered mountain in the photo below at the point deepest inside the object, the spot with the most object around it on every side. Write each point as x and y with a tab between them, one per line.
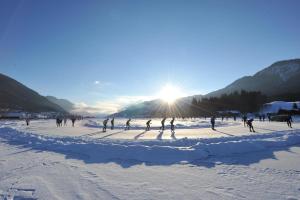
279	78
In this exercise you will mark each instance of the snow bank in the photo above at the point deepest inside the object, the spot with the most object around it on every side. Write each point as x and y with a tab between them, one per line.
92	150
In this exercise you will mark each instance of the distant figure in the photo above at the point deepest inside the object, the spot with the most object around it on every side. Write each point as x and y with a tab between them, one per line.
234	118
263	117
269	117
112	123
250	125
213	121
289	121
73	119
259	118
105	125
172	124
65	121
27	121
163	124
222	118
245	120
148	125
127	127
58	121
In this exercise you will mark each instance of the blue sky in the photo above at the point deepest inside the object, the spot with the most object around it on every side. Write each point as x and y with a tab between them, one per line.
110	53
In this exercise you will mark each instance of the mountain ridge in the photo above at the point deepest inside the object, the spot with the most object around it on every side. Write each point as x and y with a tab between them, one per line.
16	96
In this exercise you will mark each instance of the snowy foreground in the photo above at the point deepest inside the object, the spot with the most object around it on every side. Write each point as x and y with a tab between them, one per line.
45	162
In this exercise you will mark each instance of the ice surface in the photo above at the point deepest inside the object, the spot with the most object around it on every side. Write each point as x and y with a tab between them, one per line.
42	161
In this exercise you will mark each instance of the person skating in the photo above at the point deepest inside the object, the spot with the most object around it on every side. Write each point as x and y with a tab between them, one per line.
163	124
213	121
73	119
172	124
105	125
245	120
112	123
289	121
148	125
58	121
27	121
127	127
269	117
250	125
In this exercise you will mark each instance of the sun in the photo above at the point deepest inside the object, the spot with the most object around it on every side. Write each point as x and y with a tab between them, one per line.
169	93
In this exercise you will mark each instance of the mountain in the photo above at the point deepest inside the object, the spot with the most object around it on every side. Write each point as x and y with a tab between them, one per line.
158	108
16	96
63	103
279	78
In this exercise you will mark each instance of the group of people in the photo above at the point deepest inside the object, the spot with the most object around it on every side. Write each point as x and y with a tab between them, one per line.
61	119
148	123
248	122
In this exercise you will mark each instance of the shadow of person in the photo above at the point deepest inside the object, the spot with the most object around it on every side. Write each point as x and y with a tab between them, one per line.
223	132
139	135
159	136
173	135
110	135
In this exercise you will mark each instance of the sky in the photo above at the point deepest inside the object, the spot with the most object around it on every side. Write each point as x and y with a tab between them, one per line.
107	54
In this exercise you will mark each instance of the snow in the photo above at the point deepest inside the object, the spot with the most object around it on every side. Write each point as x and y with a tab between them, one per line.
45	162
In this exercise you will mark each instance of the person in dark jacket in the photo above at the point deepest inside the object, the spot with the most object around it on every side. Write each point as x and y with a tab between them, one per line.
112	122
127	127
163	124
289	121
148	125
172	124
250	125
105	125
213	121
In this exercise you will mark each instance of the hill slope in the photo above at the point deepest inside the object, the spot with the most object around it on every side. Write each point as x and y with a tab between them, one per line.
63	103
281	77
14	95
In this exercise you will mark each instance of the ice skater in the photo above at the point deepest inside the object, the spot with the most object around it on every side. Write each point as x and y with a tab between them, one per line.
250	125
148	125
58	121
172	124
27	121
163	124
289	121
73	119
127	127
245	120
269	117
112	123
213	121
105	125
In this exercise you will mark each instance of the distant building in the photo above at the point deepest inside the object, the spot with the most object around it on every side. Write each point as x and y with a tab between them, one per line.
275	106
